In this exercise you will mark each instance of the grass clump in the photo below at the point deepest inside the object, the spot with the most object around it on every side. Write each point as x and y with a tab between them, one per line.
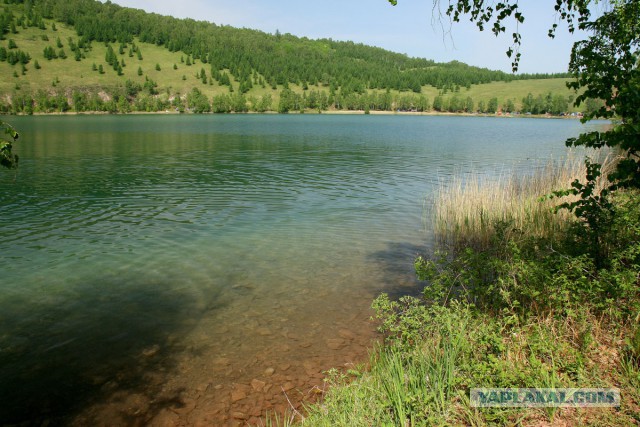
423	378
517	297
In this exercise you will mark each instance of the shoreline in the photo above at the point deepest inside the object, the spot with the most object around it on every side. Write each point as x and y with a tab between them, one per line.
310	112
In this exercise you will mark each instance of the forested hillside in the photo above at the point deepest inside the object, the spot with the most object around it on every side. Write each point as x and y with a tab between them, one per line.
101	56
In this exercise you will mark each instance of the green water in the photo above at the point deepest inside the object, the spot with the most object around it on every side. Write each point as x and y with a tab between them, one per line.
171	258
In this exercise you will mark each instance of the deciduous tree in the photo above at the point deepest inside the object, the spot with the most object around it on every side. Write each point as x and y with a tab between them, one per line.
8	136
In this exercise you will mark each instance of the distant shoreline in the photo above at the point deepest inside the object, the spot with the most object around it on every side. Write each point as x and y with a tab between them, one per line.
311	112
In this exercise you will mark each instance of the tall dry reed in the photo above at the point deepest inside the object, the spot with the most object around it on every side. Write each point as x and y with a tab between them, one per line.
467	210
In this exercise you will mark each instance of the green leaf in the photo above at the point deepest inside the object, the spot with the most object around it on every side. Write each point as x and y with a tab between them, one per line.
9	130
7	158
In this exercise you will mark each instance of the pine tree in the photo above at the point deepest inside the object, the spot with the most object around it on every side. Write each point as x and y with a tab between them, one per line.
24	57
110	57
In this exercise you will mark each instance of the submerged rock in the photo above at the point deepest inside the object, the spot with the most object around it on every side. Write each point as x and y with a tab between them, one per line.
264	332
237	395
346	334
288	386
151	351
269	371
285	367
257	385
335	343
239	415
186	407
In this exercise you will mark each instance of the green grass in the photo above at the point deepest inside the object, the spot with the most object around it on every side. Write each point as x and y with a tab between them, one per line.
428	382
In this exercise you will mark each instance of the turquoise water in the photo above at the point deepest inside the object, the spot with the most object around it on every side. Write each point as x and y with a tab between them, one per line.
175	258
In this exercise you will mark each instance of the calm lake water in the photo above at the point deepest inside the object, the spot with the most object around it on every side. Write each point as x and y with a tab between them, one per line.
165	269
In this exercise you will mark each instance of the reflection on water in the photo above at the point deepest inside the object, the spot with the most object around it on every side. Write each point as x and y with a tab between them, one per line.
164	270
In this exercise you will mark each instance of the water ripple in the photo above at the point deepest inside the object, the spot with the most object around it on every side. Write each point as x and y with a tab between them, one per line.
119	231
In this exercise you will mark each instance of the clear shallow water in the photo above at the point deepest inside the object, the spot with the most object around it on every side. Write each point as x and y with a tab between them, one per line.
153	266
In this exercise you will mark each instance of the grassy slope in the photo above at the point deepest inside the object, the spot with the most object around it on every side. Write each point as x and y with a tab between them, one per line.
74	74
515	90
79	75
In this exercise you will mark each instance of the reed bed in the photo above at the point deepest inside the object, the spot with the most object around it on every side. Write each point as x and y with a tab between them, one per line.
468	210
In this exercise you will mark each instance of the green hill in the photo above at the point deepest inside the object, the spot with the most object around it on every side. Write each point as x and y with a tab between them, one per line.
60	55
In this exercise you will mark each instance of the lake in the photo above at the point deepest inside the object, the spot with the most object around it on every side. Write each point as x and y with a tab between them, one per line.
208	269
